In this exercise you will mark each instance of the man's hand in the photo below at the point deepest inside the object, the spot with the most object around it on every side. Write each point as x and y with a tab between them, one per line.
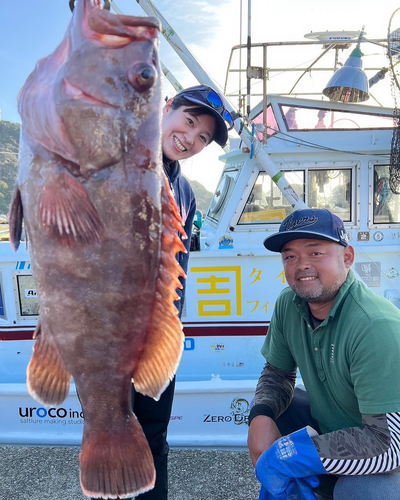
290	458
263	432
297	489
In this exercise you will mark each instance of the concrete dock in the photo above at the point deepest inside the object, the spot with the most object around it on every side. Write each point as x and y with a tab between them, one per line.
42	473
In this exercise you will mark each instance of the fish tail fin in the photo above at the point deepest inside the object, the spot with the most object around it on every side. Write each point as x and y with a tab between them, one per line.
15	217
48	380
116	464
66	212
164	342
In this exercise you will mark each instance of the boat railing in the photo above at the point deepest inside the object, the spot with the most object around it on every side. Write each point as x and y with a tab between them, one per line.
265	69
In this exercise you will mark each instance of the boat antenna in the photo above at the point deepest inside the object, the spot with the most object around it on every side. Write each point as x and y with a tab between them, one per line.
240	57
248	57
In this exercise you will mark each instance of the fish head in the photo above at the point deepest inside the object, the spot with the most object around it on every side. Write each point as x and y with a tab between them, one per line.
98	96
110	91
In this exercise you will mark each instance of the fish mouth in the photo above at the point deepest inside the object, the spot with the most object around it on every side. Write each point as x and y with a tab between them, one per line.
76	93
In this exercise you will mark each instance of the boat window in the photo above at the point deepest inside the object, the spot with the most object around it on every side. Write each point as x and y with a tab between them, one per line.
221	195
266	202
326	188
331	189
304	118
272	125
27	295
386	202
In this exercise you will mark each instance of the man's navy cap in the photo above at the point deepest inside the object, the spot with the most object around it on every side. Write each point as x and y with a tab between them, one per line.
199	95
313	224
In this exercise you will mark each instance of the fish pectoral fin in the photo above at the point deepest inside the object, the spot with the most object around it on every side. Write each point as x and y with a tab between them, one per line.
116	463
66	212
48	380
164	342
15	217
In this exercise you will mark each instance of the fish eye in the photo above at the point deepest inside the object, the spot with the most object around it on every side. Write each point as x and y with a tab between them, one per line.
142	76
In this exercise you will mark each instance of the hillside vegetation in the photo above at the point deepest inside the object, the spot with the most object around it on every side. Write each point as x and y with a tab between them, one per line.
9	144
203	197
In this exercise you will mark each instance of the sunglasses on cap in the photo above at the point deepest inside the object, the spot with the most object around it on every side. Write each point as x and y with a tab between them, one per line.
211	98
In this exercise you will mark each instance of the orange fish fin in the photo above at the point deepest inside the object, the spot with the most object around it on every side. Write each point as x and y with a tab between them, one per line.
15	217
116	464
66	212
164	342
48	380
171	216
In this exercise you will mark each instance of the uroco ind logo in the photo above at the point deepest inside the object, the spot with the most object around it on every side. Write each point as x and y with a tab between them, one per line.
63	416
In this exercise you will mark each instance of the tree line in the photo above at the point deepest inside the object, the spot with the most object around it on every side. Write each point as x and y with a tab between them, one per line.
9	145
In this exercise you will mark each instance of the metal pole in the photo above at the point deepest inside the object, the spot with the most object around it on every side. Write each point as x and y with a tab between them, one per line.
240	58
116	9
167	73
248	57
264	141
260	153
170	77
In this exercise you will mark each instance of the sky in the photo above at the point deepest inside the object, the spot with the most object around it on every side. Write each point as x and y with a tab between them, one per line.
30	30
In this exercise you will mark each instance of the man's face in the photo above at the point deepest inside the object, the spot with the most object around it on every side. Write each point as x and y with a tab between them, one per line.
316	269
184	135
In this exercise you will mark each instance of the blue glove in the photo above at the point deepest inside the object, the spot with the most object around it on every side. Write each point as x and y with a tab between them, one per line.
292	456
298	489
264	495
302	488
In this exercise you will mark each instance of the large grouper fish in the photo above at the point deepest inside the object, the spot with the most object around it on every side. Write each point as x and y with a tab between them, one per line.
103	230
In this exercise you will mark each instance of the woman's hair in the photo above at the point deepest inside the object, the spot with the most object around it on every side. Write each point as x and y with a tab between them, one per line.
192	108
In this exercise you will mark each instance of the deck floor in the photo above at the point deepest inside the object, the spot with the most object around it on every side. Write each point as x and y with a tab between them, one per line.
33	473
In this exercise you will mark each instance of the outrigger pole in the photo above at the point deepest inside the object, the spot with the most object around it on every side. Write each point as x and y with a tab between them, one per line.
251	141
167	73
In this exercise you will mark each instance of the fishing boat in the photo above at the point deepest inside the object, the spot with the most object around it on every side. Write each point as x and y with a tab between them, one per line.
293	151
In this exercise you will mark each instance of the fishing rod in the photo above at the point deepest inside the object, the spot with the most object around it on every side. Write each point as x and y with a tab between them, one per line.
248	137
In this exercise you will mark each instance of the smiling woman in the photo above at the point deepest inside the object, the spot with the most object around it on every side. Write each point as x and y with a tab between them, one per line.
185	132
191	120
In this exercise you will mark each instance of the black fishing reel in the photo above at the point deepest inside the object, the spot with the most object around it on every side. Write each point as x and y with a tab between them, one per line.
106	4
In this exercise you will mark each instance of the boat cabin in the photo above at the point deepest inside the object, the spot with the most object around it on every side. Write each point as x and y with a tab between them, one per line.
334	156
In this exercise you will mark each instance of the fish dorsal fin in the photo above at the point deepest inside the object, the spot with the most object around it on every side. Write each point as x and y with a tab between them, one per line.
164	342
